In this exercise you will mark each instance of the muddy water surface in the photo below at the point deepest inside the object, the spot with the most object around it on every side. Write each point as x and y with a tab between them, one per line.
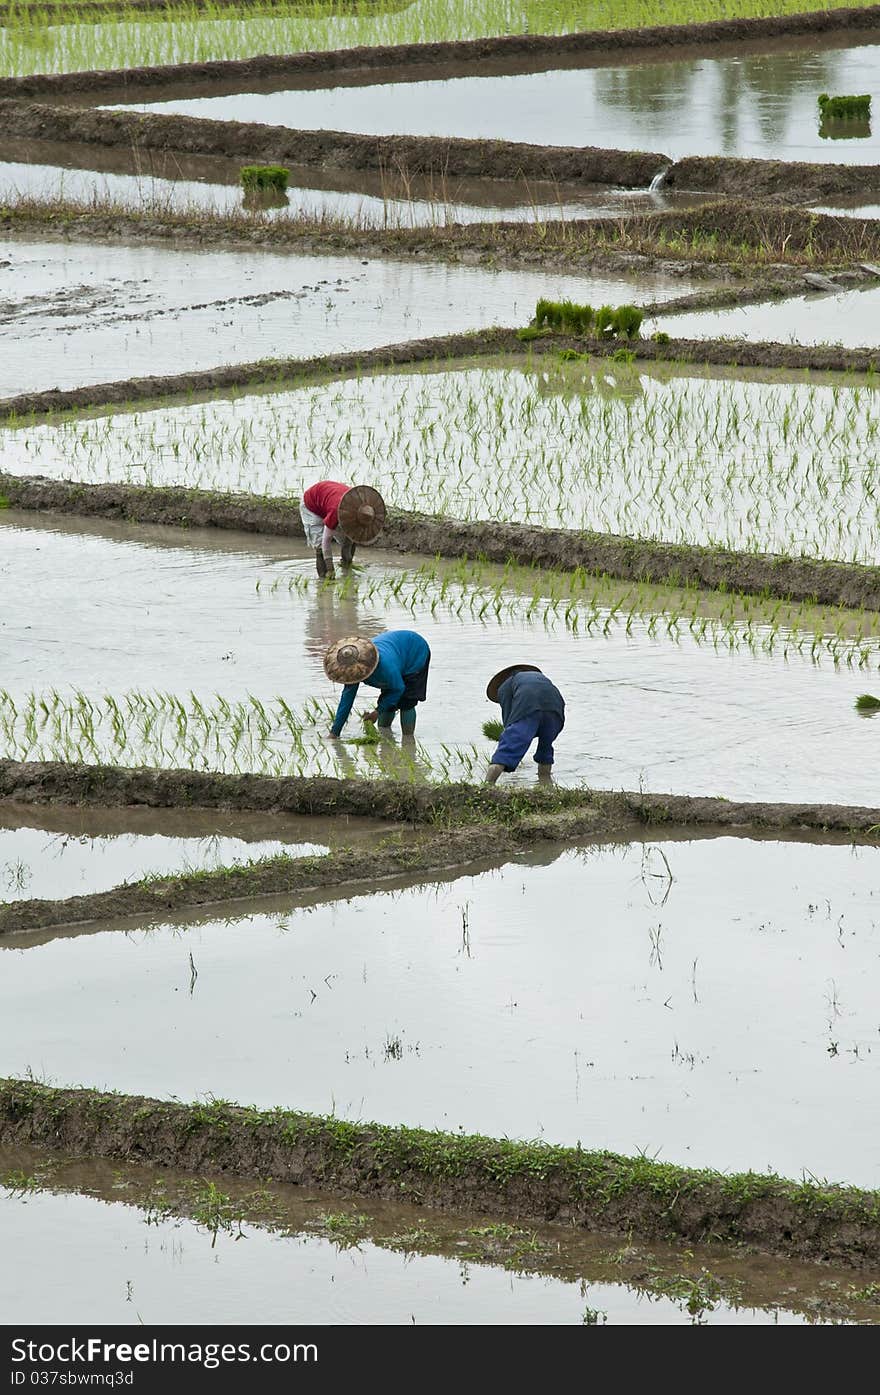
711	1003
77	314
675	454
754	105
449	204
643	707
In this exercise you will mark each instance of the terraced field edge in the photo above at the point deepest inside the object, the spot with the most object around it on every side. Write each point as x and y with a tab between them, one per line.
501	1177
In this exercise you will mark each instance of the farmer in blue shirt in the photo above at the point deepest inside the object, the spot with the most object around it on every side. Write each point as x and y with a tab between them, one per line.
531	706
396	663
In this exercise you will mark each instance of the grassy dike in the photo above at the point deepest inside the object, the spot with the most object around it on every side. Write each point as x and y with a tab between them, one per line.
501	1177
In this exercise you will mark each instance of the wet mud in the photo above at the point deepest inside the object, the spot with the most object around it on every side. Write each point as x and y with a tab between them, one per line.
253	142
525	1182
631	559
435	156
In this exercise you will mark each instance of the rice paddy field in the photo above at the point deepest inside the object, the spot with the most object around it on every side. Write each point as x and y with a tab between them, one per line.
781	463
591	1048
743	105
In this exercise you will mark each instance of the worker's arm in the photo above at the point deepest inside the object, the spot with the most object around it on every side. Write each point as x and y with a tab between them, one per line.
327	543
349	693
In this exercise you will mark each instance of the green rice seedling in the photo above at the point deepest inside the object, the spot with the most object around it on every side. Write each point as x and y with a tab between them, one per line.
866	702
845	108
493	729
256	178
628	321
605	321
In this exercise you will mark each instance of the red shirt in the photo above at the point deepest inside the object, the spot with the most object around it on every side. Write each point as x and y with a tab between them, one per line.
324	498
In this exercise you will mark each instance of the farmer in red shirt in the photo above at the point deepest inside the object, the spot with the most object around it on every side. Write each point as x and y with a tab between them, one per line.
350	514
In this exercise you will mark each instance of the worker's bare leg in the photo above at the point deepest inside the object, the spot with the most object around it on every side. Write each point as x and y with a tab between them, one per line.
347	552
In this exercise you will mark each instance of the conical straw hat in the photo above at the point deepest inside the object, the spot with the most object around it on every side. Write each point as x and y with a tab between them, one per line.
361	513
495	683
350	660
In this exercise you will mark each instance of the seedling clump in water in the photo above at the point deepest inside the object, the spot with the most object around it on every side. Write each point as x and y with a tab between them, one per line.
258	178
866	702
624	322
493	729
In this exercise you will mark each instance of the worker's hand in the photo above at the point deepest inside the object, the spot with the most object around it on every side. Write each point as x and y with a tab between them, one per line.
371	716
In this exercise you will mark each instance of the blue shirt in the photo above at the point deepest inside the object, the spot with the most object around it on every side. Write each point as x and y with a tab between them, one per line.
402	653
523	694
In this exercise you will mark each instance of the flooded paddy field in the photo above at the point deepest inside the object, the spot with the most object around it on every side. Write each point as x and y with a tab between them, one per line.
157	1247
60	852
849	318
195	649
708	1002
753	105
72	314
773	462
313	193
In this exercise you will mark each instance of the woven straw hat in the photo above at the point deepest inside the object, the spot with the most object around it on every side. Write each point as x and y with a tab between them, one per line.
495	683
350	660
361	513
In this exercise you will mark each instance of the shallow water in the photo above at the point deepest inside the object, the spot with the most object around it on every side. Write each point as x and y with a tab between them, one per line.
710	1002
760	106
527	203
850	318
642	707
55	851
77	314
168	1271
675	454
36	864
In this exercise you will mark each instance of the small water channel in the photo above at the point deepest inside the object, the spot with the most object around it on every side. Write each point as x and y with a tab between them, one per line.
232	618
72	314
849	318
312	195
711	1003
757	105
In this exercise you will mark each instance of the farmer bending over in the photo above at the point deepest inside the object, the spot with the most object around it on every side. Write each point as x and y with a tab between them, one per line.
396	663
531	706
349	514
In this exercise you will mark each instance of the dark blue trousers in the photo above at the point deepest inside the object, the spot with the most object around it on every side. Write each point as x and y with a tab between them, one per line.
516	739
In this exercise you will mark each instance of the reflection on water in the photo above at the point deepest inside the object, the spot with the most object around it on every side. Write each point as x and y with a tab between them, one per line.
758	105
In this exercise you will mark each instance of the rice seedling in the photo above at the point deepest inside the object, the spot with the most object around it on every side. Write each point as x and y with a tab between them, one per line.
606	322
55	39
256	178
866	702
844	108
493	729
673	454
